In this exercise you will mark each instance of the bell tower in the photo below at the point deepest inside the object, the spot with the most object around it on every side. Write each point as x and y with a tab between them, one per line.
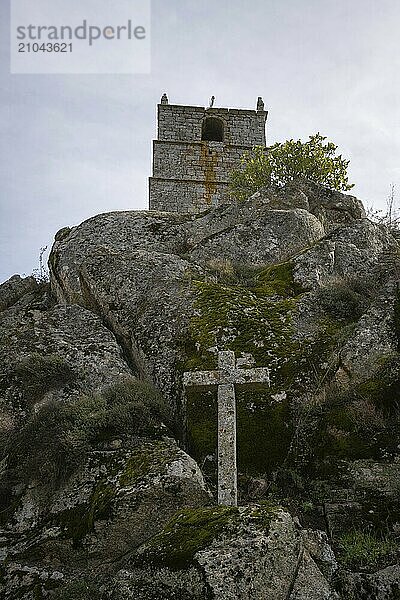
196	149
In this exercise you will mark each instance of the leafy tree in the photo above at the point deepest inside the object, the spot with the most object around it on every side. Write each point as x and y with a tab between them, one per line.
314	160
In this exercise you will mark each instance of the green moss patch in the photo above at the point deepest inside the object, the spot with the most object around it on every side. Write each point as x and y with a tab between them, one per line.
201	414
264	431
193	530
278	279
235	318
147	460
77	522
257	320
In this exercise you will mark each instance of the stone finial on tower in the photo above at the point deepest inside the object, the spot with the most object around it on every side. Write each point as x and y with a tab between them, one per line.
212	100
164	99
260	104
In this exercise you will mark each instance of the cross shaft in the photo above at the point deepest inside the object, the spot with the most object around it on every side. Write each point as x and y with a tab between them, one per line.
225	377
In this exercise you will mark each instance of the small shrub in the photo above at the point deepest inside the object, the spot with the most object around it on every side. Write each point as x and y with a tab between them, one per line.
221	270
390	217
340	301
289	482
39	374
363	550
56	439
307	506
41	273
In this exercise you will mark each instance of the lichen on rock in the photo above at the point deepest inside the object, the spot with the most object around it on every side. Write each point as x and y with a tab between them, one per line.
107	477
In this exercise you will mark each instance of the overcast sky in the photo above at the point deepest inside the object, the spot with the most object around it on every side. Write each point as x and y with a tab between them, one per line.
73	146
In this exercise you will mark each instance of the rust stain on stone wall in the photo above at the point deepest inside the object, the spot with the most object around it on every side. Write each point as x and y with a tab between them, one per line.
208	162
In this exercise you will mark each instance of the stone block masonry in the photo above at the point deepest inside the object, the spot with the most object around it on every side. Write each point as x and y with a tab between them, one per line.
195	152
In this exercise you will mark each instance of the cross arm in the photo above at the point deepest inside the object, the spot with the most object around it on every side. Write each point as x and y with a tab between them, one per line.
217	377
256	375
199	378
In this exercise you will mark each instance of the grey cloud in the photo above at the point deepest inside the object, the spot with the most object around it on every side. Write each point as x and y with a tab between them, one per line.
73	146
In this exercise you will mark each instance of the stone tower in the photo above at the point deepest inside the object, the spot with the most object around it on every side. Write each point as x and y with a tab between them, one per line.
195	151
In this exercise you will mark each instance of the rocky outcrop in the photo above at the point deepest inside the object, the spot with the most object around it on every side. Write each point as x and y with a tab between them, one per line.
382	585
115	501
106	456
249	244
53	352
16	287
230	553
362	251
329	206
136	269
80	481
377	477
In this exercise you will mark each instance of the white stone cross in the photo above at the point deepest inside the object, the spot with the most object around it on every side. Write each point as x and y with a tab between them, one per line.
225	377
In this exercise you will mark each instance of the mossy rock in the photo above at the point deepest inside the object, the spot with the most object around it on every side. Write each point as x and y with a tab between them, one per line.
193	530
81	589
258	320
54	442
278	279
264	431
24	584
78	521
202	422
148	459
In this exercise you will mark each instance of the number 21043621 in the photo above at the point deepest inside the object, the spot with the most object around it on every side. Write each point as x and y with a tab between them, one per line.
48	47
